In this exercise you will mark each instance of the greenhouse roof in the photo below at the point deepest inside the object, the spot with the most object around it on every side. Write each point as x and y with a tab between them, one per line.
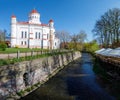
109	52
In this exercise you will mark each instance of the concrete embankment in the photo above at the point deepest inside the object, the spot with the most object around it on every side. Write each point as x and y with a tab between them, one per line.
21	78
112	65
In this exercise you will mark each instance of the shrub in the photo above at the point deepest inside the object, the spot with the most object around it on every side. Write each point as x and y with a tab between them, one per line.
3	46
16	46
21	93
28	89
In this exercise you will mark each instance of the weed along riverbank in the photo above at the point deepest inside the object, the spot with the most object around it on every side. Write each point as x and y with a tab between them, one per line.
21	78
77	81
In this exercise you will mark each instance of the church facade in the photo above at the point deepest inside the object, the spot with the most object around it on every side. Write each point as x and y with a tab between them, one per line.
33	34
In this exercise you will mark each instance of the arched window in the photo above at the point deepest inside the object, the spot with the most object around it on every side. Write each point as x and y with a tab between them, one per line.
25	42
55	43
39	35
30	17
25	34
22	34
21	42
36	35
47	36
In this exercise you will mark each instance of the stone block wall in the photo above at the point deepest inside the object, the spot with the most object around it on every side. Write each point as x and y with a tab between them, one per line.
17	77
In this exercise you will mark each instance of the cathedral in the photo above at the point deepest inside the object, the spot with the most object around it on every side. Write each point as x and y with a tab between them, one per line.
33	33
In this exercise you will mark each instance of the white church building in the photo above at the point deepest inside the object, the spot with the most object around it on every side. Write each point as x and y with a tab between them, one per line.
33	33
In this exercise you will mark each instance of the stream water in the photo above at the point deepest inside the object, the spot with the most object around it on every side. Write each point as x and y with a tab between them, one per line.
76	81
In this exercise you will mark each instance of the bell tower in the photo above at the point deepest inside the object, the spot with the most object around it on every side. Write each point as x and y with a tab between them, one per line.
13	30
34	17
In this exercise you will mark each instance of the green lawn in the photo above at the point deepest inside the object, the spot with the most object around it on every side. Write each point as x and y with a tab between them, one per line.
14	50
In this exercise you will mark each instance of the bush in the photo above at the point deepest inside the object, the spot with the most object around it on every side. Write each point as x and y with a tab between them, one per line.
16	46
21	93
3	46
28	89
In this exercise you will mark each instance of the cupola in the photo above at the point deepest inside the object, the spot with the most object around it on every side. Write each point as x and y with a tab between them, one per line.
34	17
51	23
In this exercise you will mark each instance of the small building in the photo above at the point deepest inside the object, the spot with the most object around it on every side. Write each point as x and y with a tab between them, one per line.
33	33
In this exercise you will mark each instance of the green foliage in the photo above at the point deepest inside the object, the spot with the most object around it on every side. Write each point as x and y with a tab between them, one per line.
75	46
28	89
27	58
91	46
21	93
3	46
23	50
4	62
16	46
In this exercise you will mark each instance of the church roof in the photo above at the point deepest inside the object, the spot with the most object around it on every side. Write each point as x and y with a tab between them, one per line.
27	23
51	21
13	16
33	11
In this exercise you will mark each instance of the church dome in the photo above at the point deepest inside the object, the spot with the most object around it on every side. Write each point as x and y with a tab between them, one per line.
34	17
51	21
33	11
13	16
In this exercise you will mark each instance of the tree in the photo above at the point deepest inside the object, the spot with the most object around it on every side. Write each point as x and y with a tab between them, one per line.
63	36
82	36
2	35
91	46
78	40
3	46
74	40
107	28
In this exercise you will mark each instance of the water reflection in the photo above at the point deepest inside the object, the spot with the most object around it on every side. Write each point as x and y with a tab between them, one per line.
76	82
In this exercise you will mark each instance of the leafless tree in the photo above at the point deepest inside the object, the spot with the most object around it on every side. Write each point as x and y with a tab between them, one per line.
2	35
63	36
107	28
79	38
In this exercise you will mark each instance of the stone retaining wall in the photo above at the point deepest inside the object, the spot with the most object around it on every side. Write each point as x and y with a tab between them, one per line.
20	76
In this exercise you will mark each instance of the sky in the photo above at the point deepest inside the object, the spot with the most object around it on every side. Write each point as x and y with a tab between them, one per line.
69	15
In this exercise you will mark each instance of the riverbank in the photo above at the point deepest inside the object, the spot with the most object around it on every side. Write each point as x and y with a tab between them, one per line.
107	80
76	81
24	77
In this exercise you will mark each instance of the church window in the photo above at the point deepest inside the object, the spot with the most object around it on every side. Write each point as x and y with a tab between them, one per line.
21	42
30	17
55	43
25	34
22	34
39	35
25	43
47	36
36	35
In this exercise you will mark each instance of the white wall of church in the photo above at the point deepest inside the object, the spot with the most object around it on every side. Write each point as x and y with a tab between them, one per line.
32	34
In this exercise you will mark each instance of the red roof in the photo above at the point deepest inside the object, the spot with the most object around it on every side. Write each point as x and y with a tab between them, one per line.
51	21
13	16
33	11
27	23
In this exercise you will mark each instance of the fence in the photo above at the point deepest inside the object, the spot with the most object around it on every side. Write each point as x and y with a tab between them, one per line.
18	54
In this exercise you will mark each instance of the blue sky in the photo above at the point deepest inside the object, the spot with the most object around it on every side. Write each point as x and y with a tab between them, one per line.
68	15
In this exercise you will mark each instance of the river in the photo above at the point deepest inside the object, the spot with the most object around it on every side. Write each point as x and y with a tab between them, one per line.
76	81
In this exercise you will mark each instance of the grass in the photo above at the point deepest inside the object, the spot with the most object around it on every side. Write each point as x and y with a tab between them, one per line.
27	58
14	50
21	93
